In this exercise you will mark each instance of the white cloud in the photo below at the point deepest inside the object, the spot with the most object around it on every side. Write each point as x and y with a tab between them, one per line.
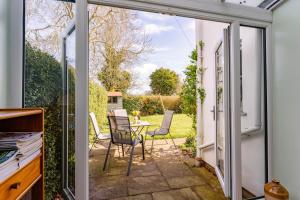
155	29
161	49
146	69
142	81
155	16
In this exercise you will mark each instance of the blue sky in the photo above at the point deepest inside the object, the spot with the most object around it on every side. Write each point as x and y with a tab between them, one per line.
172	38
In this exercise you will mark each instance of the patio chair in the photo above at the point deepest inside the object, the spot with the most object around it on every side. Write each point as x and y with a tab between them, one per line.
122	134
164	128
120	113
98	134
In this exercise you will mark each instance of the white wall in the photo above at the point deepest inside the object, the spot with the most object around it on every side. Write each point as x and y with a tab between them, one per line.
3	54
286	96
211	33
11	53
253	153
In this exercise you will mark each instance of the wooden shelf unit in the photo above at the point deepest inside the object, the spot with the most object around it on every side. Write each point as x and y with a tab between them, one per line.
28	180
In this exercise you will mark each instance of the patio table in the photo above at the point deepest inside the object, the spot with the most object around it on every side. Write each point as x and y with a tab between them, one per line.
139	127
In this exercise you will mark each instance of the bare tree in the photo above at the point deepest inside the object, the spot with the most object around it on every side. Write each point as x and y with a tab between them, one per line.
110	30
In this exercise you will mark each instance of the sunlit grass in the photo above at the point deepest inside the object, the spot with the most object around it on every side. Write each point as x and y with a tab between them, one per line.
181	125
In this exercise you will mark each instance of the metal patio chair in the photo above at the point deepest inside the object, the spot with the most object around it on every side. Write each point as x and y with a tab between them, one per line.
122	134
120	113
98	134
164	128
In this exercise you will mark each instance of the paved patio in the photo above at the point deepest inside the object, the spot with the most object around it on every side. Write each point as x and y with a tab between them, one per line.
164	175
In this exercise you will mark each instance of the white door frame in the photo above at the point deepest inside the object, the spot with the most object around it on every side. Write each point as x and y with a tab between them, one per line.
236	171
215	11
70	29
224	178
82	97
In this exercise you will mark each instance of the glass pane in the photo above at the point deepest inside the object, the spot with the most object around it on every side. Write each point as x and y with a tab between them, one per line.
71	70
220	118
253	133
45	21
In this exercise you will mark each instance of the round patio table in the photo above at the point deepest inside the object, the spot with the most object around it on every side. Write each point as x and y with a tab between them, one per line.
139	127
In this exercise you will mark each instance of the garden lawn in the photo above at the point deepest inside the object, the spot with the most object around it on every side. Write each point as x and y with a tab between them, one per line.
181	125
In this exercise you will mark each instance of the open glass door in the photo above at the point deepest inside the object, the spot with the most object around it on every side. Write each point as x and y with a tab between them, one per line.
222	115
69	75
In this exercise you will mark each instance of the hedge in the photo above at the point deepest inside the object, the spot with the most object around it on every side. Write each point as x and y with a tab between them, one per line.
97	104
150	105
43	88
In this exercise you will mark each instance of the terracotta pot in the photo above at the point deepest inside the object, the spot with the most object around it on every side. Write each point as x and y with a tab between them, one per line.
275	191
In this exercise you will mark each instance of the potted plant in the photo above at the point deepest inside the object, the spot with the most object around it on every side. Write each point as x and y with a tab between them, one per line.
136	115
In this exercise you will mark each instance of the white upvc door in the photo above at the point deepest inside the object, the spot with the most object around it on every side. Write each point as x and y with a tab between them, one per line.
222	112
227	112
69	102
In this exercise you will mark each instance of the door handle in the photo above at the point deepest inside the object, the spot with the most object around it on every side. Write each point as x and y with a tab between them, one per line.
214	112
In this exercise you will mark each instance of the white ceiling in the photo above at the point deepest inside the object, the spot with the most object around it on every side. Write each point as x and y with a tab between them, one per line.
253	3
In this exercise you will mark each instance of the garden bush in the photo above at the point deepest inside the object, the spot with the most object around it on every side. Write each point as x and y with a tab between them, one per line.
150	105
172	103
97	104
131	103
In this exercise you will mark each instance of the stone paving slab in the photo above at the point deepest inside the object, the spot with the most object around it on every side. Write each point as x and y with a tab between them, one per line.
145	168
141	185
165	174
211	179
170	168
108	187
185	181
136	197
181	194
207	193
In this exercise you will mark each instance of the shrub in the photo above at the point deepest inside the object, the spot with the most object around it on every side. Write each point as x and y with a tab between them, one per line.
189	90
97	104
150	105
131	103
172	103
43	88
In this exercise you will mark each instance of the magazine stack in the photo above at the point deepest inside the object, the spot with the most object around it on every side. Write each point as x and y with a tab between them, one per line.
18	149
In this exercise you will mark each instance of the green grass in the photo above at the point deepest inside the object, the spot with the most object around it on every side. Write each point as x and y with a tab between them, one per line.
181	125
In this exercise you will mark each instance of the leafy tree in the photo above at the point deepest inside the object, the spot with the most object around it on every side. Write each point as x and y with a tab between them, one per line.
164	81
112	76
189	91
115	28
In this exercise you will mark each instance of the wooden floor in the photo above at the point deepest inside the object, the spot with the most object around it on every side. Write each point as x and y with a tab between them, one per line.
164	175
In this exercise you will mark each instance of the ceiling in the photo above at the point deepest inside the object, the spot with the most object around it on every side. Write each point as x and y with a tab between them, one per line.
253	3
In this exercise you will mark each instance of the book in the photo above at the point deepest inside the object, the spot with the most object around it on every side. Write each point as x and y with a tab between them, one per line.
24	150
16	140
24	160
8	170
7	156
17	149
